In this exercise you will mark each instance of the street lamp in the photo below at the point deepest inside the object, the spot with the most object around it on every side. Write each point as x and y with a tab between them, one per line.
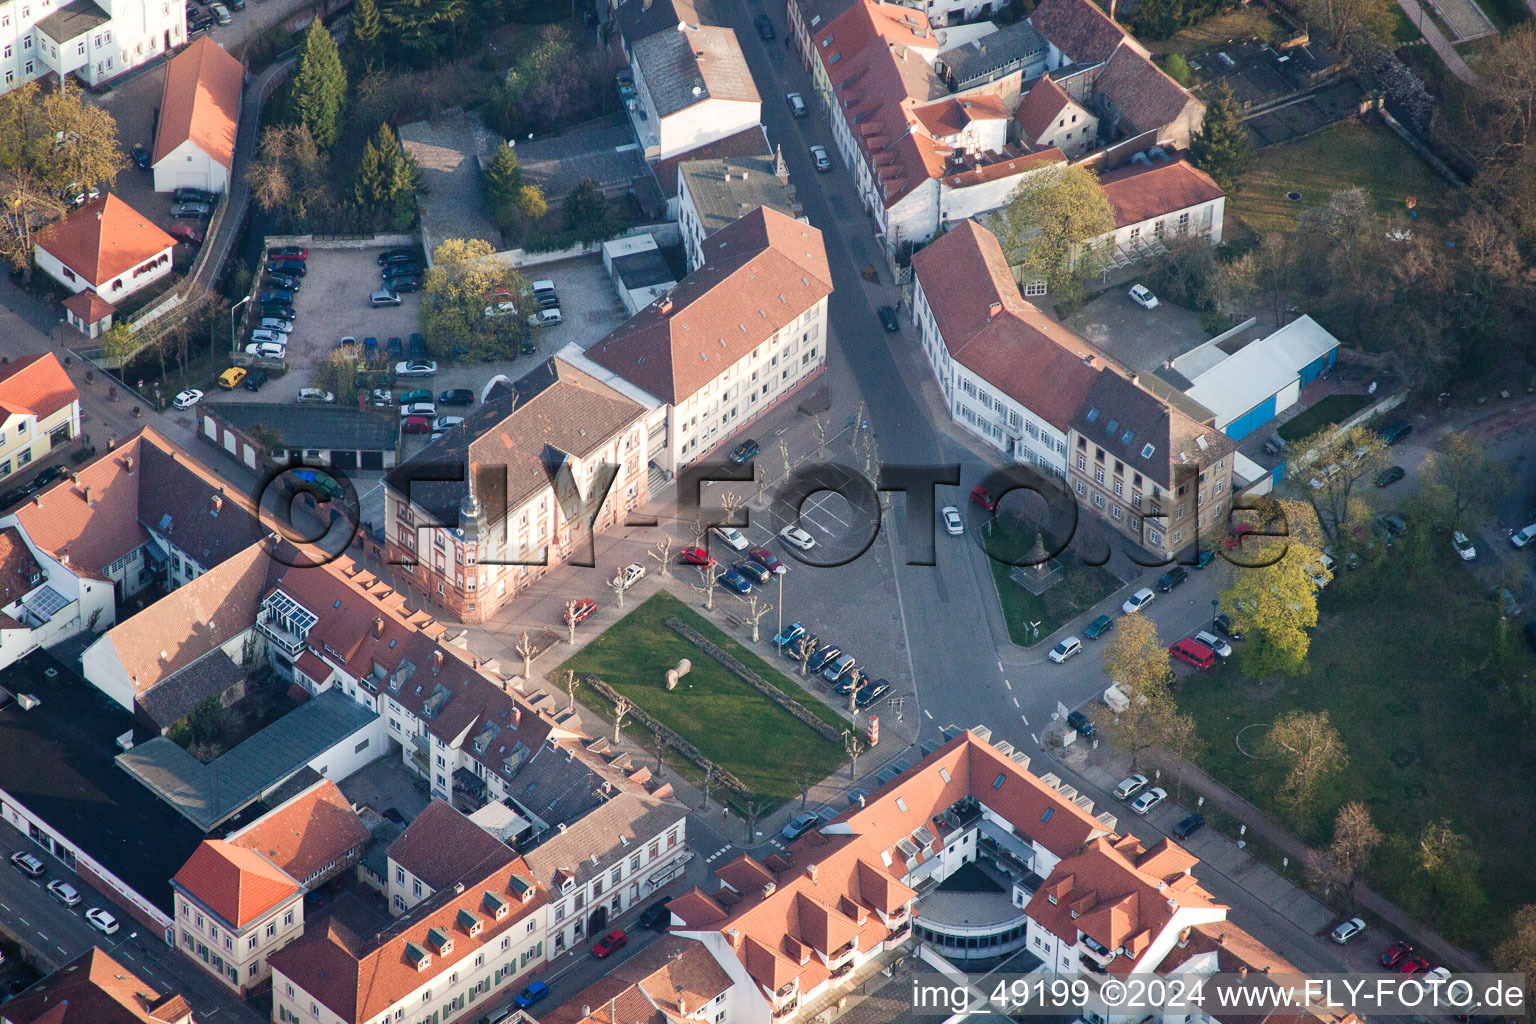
781	576
1215	611
232	349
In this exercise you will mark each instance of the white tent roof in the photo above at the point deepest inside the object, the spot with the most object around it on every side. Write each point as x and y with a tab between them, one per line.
1300	342
1263	368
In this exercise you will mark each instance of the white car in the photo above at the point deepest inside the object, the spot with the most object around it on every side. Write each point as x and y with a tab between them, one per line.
1463	546
1064	650
266	350
1347	930
731	536
446	423
1148	800
823	161
187	399
1524	537
262	334
1139	600
631	574
545	318
315	395
1214	642
102	921
416	368
281	326
1142	297
952	522
798	537
64	892
1130	786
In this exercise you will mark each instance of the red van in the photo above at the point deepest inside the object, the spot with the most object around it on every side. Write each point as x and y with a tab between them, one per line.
1192	652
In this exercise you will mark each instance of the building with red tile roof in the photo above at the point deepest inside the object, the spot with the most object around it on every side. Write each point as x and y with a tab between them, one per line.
89	313
1164	199
94	988
435	851
199	112
234	909
1047	116
465	944
312	838
1078	32
672	980
755	311
106	246
1138	99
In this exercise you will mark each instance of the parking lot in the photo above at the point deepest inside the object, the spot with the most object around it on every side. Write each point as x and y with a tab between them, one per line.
589	303
1142	339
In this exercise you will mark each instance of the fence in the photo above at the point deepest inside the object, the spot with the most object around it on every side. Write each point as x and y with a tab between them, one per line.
666	233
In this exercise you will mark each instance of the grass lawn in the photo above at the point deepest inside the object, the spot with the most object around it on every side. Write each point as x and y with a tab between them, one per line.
1437	736
731	723
1081	587
1332	409
1360	152
1214	31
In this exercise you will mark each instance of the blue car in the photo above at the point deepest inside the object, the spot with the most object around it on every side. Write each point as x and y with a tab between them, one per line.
789	634
736	581
530	995
277	298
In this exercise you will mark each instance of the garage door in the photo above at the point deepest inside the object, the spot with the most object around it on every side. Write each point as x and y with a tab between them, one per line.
373	460
344	460
1253	418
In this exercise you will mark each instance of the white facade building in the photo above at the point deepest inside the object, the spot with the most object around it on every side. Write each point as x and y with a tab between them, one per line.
96	41
693	87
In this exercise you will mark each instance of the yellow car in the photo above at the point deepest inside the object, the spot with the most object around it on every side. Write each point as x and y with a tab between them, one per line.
231	378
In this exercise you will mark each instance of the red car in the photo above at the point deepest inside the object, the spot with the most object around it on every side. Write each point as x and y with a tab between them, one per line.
1238	532
184	233
584	609
1414	965
1395	953
767	559
983	497
415	425
696	556
609	943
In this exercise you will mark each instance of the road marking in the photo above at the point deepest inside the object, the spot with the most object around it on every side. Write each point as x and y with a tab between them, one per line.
5	908
928	713
25	921
1008	684
61	950
42	936
999	666
1026	720
1015	702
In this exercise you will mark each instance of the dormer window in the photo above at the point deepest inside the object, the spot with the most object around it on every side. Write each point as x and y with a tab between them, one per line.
1074	914
1052	899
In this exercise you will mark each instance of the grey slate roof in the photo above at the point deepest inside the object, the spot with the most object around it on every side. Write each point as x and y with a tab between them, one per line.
602	837
684	68
206	794
640	18
178	694
72	20
609	156
1009	48
312	426
726	188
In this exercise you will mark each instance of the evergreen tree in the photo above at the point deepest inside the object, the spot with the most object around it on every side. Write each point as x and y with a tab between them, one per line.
320	87
367	27
1223	147
374	172
586	212
503	178
387	178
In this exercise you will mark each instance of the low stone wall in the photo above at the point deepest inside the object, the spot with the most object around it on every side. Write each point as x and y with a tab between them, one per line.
669	737
755	681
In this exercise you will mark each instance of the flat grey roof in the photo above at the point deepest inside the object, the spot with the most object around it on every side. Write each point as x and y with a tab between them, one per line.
727	188
1009	46
73	19
643	269
313	426
609	156
206	794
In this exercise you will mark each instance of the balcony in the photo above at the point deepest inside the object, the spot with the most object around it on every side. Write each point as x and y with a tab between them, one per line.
787	1009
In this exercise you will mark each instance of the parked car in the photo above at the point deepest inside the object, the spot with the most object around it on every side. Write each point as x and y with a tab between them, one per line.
288	252
1521	538
1225	627
1395	432
443	423
1065	649
1395	954
583	611
1463	546
822	657
1189	826
1081	722
255	379
187	399
141	157
798	826
530	995
799	538
953	524
384	297
735	581
1130	786
764	26
102	921
632	573
416	425
191	211
426	409
695	556
64	892
51	475
768	560
1390	476
404	268
187	194
456	396
871	692
1413	965
220	13
1396	526
417	368
185	233
545	318
397	256
731	536
283	281
1148	800
838	667
278	324
1214	642
1098	627
610	943
416	395
797	107
1192	652
27	864
279	312
267	349
819	155
788	635
231	378
1172	578
888	318
1347	930
745	452
983	497
1143	297
753	571
290	268
655	917
1137	601
316	395
275	337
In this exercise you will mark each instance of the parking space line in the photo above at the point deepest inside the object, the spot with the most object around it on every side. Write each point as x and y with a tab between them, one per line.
42	936
1015	702
928	713
25	921
1008	684
61	950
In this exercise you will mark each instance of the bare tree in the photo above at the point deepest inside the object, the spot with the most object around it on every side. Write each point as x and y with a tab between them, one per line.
754	615
808	649
709	576
26	205
854	748
752	809
807	779
784	454
662	554
1179	738
524	648
819	425
853	692
619	587
621	708
1355	838
711	773
570	618
571	683
732	503
697	527
1311	749
661	746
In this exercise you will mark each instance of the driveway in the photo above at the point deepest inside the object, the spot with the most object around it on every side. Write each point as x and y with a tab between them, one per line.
1142	339
589	303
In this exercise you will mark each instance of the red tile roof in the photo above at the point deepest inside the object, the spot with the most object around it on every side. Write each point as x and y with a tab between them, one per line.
89	306
669	980
1079	29
1040	106
952	116
760	274
302	836
35	385
103	239
19	572
1143	193
1018	349
95	989
1011	161
235	883
201	101
442	846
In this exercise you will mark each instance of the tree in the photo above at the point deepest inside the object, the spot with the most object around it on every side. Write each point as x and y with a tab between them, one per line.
1177	68
620	587
1517	953
458	287
1047	224
1355	838
1462	482
1179	739
423	28
1337	460
524	650
807	650
1136	661
586	212
81	148
503	177
571	684
662	554
571	621
709	576
621	709
1271	593
387	178
1222	147
367	28
531	205
289	174
754	615
320	86
118	344
1312	751
26	206
1352	22
1448	865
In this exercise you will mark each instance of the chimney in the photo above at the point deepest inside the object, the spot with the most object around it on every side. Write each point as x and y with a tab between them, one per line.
734	937
810	872
994	311
128	465
682	1004
1135	378
561	827
64	557
664	305
87	493
437	661
1088	359
1242	972
378	625
517	716
217	501
768	889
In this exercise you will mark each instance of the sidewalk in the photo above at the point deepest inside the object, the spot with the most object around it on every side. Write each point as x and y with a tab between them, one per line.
1437	41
